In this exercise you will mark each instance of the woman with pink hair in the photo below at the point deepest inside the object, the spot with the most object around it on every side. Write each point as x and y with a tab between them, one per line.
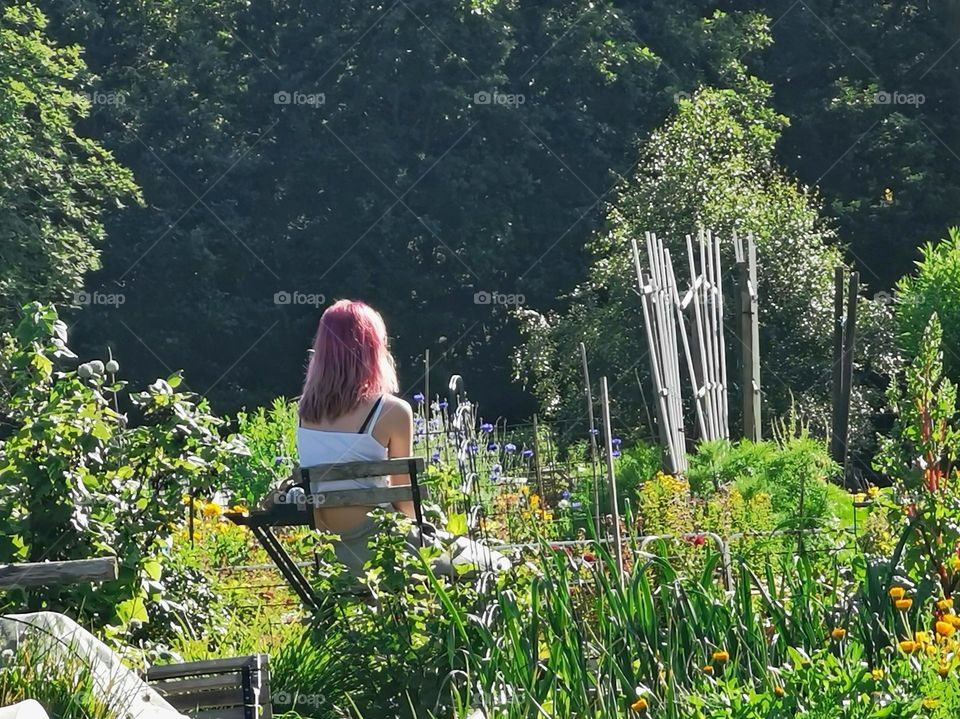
348	413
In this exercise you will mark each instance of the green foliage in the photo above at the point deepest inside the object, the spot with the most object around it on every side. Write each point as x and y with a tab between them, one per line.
794	474
636	465
920	455
55	184
271	437
78	479
719	462
934	288
65	686
889	181
710	166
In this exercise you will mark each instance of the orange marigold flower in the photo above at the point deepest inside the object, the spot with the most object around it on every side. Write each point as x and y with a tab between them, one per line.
708	669
908	646
779	691
903	604
720	656
945	604
640	705
838	633
897	592
944	629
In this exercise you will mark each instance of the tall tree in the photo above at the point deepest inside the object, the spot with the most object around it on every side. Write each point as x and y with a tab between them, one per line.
872	90
713	167
423	153
55	184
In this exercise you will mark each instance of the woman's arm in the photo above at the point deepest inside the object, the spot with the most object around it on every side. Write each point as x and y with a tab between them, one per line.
399	418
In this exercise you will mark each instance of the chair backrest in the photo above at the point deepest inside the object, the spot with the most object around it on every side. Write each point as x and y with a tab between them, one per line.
236	688
411	466
286	508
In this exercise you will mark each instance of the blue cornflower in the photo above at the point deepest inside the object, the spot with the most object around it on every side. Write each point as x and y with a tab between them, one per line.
616	453
510	447
594	431
492	447
435	456
486	427
615	441
495	471
418	397
527	453
565	494
575	505
472	448
443	404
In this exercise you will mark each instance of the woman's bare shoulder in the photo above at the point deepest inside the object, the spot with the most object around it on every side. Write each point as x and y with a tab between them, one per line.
397	408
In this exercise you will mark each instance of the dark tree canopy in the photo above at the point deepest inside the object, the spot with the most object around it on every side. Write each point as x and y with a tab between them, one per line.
416	154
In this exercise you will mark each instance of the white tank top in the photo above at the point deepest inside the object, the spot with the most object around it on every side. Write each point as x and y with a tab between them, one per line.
324	446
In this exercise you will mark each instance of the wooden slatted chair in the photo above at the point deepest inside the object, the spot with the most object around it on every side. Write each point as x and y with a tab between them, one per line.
287	507
236	688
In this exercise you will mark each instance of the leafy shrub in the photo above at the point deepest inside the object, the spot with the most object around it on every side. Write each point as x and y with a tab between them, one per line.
636	465
720	462
935	288
271	437
78	479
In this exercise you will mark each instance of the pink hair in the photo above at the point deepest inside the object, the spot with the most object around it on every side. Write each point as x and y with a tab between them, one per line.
351	362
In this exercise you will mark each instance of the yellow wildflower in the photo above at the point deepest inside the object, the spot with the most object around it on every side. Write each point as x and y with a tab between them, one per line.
838	633
943	670
956	564
708	669
897	593
877	674
908	646
921	637
212	509
873	491
930	703
903	604
779	691
721	656
945	604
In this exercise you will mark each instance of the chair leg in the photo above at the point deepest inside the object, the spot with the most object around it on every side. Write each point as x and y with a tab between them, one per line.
417	499
288	568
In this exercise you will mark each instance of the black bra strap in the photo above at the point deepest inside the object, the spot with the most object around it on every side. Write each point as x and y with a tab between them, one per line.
363	427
